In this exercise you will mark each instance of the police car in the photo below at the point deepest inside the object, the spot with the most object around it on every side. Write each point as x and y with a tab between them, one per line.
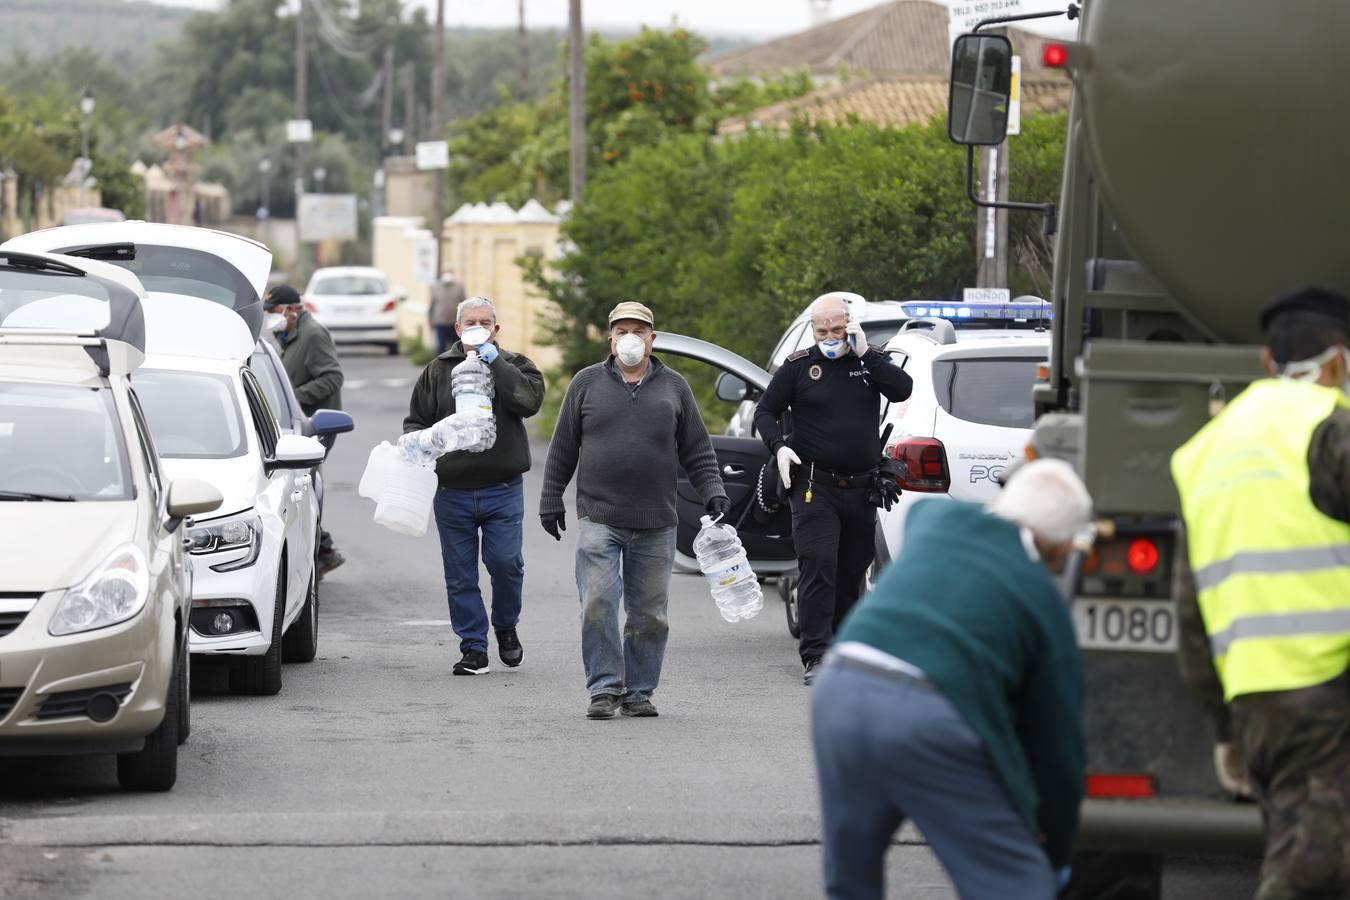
881	319
970	413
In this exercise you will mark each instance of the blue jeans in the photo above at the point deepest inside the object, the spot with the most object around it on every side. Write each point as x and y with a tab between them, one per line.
631	566
498	511
889	749
445	337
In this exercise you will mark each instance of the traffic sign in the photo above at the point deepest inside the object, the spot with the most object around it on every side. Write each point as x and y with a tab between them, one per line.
299	131
433	155
327	217
986	295
424	259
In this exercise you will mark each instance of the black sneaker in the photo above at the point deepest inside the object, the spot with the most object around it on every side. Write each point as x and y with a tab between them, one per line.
475	662
509	650
810	667
642	709
603	706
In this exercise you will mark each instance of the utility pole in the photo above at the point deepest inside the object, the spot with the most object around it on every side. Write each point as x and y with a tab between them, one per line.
387	105
576	112
301	112
409	107
438	127
523	51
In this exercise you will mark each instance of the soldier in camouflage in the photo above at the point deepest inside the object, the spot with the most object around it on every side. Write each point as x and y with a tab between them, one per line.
1289	748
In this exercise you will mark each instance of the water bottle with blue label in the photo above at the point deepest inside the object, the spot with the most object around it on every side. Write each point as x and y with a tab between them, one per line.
723	562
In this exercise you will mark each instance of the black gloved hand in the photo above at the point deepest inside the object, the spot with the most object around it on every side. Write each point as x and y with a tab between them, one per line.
554	524
718	506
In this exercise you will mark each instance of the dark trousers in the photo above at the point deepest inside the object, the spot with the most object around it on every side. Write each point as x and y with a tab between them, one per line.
889	748
1297	745
833	536
445	336
498	513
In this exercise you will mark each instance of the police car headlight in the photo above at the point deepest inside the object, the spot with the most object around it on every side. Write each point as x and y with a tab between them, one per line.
113	593
233	533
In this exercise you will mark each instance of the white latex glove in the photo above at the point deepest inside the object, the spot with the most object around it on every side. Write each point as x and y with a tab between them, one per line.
857	338
1231	767
786	460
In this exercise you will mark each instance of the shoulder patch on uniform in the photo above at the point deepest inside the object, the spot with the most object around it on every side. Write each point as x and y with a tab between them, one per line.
800	354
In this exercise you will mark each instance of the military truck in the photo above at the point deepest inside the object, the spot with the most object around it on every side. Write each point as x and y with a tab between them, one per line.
1204	175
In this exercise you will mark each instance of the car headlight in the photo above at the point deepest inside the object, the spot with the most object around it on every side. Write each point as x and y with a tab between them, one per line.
241	532
113	593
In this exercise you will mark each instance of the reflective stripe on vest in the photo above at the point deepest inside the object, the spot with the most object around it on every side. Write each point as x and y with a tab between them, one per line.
1272	571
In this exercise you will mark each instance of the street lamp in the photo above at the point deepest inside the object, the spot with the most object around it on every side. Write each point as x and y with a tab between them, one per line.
265	168
395	137
86	114
320	174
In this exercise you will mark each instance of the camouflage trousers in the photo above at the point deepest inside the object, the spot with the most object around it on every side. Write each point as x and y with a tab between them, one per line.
1297	745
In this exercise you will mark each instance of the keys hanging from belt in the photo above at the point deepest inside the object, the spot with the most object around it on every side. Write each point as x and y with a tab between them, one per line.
810	483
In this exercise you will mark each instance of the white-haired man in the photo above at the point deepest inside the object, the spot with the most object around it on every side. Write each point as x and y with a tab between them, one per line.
482	492
834	392
954	697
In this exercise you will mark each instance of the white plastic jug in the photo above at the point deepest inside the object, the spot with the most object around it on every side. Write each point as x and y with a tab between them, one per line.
382	458
405	503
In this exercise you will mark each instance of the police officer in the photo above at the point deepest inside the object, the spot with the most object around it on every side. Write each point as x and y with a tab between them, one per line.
1265	620
834	390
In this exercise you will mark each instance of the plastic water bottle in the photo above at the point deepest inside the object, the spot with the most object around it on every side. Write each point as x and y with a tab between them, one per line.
722	560
471	383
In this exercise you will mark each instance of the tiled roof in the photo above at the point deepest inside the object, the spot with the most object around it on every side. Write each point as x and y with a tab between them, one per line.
901	37
889	101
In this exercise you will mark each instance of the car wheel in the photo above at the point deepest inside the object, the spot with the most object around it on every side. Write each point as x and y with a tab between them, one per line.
301	643
261	675
155	766
185	692
392	349
787	589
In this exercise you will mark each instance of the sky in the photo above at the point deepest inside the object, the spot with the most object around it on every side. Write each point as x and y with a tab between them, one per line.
755	18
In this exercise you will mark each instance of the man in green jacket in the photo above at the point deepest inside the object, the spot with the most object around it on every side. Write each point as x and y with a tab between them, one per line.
482	492
953	696
311	362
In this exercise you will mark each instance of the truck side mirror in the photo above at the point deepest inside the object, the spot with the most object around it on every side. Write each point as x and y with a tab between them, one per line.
981	88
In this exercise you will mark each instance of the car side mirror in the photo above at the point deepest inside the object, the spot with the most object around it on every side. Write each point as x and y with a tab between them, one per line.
731	388
296	451
190	497
331	421
981	90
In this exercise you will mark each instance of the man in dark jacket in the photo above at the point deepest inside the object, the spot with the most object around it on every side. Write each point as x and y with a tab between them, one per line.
953	696
311	362
482	492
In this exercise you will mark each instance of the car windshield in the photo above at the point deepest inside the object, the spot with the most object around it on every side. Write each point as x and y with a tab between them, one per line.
987	390
43	299
349	285
192	415
61	441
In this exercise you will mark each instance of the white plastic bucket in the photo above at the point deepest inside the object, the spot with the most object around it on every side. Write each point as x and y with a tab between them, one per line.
405	503
383	457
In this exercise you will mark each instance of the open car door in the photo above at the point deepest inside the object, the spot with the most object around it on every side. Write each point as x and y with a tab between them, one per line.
767	539
174	260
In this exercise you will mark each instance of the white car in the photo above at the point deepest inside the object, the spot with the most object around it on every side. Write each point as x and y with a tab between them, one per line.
970	414
356	304
254	600
881	319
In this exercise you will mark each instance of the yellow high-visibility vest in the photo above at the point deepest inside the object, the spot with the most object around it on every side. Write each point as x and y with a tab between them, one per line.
1271	570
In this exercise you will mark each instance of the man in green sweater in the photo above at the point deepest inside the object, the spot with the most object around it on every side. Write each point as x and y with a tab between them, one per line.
953	696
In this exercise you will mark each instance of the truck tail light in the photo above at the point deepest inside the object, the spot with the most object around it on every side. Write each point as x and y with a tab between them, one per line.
924	461
1119	786
1142	556
1055	55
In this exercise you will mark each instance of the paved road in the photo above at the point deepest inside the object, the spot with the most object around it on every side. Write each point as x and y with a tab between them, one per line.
375	773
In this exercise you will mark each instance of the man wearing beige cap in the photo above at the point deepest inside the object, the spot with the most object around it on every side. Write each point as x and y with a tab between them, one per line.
627	426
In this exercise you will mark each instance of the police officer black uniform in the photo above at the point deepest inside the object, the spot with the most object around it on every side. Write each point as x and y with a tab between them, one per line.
830	455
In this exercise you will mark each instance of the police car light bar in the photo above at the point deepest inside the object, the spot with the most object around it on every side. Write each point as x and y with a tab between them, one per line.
983	312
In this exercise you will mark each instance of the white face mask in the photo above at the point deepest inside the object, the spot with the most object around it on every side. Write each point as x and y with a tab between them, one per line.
275	322
630	349
832	348
1311	369
475	336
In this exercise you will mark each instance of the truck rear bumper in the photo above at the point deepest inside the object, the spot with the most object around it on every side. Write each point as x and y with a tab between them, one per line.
1171	826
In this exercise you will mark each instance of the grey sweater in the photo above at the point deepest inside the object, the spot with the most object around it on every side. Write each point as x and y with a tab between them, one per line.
626	448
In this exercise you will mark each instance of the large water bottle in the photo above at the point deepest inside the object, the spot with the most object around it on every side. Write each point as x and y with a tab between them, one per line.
471	384
455	432
722	560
